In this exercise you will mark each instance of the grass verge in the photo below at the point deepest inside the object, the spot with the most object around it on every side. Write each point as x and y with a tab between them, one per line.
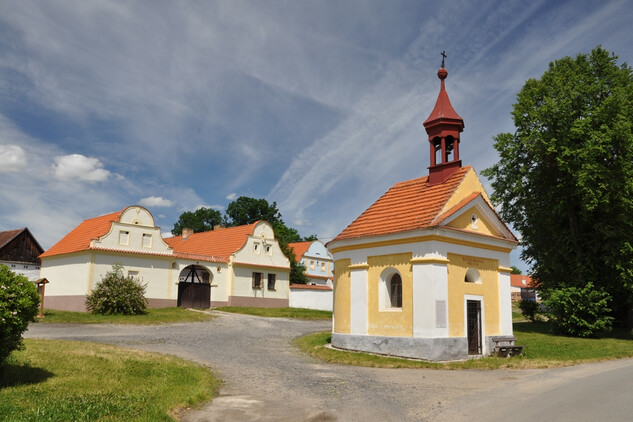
153	316
297	313
64	380
542	350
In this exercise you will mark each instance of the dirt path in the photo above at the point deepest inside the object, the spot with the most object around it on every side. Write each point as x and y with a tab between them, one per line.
267	379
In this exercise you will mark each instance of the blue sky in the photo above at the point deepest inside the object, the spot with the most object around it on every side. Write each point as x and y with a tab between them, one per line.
317	105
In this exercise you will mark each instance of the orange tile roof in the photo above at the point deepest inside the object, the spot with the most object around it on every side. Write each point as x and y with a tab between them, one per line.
216	243
299	248
79	238
406	206
310	287
516	280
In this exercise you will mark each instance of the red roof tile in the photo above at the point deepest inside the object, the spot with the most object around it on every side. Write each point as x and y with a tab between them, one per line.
79	238
310	287
217	243
406	206
523	281
299	249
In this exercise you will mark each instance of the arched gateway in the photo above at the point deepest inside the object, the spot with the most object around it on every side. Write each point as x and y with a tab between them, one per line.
194	287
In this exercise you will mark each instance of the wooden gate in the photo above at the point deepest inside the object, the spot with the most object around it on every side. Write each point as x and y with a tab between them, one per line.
473	325
194	288
194	295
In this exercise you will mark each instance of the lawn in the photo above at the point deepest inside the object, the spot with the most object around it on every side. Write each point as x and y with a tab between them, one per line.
542	350
63	380
297	313
152	316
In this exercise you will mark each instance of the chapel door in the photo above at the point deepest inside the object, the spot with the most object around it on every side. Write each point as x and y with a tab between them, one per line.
473	325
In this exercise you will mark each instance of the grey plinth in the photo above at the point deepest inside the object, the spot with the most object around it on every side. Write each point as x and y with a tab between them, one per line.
436	349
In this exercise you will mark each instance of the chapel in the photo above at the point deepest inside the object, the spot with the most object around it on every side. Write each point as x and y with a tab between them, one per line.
424	272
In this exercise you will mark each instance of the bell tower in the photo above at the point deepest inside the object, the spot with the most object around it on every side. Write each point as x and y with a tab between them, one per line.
443	127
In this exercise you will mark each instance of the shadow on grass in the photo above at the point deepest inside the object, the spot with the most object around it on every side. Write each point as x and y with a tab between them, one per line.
12	375
545	328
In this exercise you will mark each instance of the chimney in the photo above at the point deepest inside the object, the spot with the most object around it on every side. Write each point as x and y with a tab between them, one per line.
186	233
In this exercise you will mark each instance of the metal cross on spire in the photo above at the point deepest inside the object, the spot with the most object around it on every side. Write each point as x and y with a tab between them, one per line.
443	57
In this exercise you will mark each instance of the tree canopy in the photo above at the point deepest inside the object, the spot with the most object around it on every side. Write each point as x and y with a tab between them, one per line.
200	220
565	181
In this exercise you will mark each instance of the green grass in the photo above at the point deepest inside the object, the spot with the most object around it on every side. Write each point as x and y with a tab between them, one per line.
542	350
153	316
63	380
297	313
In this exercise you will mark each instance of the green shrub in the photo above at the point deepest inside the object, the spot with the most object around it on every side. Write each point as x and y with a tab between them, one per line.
117	294
579	311
19	304
529	309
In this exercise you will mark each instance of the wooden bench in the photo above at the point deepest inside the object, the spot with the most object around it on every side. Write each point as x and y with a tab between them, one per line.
505	347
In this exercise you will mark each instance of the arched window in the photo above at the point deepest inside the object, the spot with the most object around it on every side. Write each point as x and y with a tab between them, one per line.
472	276
390	290
395	291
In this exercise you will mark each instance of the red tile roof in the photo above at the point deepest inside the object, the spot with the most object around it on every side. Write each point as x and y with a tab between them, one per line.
517	280
406	206
310	287
79	238
215	243
299	248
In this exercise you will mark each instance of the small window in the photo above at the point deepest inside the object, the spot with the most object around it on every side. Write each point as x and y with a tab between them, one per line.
147	240
174	265
474	219
322	266
133	274
272	278
472	276
269	250
124	237
256	247
257	280
311	265
395	291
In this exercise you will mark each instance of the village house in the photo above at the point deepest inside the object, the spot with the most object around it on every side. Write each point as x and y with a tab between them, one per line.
19	251
317	260
236	266
523	288
424	272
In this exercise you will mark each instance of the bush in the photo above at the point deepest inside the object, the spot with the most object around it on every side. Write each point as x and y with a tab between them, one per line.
117	294
579	311
19	304
529	309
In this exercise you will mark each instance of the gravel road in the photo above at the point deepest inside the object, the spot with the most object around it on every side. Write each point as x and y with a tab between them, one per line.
267	379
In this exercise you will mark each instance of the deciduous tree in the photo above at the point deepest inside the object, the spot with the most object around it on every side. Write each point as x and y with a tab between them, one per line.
565	181
200	220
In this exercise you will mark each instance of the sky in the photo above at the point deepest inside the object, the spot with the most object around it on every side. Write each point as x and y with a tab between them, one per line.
316	105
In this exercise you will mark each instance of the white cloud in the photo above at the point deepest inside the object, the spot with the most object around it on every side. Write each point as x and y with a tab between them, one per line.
156	201
12	158
231	196
79	167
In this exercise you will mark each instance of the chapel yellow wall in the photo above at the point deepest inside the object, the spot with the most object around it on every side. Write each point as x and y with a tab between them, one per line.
390	322
457	288
465	222
469	184
342	296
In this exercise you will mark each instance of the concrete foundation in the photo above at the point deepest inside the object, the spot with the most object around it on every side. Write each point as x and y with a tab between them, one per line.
435	349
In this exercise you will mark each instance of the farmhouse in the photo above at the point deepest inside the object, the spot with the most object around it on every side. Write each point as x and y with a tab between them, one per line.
19	251
237	266
424	272
317	260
